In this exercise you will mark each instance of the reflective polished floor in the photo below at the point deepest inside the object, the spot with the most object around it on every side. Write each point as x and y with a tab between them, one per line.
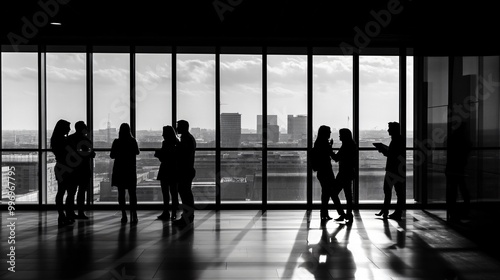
240	244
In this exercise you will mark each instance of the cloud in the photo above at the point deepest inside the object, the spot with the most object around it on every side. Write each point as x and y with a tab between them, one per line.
196	71
109	76
287	69
65	75
20	74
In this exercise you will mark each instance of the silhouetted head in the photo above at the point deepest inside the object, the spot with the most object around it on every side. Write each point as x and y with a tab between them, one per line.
169	134
81	127
62	128
324	132
345	135
125	131
394	128
182	126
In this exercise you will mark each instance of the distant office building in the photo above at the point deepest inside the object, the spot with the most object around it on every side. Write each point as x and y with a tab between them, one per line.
271	120
230	125
297	127
273	134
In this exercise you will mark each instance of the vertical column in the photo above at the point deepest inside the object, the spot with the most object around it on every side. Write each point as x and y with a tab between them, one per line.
402	104
309	179
90	113
42	126
174	85
264	128
355	122
217	130
132	91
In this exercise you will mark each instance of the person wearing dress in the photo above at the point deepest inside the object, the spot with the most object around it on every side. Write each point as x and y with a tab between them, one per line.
124	151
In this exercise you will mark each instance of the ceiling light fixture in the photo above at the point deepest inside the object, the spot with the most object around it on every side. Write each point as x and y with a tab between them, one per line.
55	23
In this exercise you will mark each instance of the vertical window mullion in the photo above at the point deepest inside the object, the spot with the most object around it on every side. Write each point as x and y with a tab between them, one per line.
264	128
132	92
355	123
90	113
309	178
217	131
42	126
402	103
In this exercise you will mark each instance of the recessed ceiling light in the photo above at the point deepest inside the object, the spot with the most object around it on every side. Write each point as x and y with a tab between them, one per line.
55	23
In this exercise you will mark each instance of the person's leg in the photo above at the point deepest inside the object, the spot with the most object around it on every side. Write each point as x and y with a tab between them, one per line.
83	188
175	198
187	199
387	192
132	193
61	190
401	202
325	197
70	200
166	199
121	203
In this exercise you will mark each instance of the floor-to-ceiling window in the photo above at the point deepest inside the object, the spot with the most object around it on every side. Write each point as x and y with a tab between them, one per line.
241	128
332	101
287	115
112	80
20	133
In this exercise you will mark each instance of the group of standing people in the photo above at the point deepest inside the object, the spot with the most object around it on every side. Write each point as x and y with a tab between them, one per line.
73	171
331	187
74	154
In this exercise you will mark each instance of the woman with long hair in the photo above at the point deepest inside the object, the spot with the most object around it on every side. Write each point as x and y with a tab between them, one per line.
346	157
58	144
124	151
322	154
168	172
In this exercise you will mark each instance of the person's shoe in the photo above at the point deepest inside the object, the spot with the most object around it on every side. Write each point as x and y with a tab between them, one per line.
164	216
183	221
81	216
133	218
124	219
173	217
341	218
349	218
325	217
395	216
382	213
63	221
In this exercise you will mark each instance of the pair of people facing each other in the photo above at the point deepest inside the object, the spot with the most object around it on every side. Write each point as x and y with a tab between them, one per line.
74	154
331	186
176	171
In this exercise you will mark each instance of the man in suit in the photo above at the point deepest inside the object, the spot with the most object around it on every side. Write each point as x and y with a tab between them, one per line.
185	158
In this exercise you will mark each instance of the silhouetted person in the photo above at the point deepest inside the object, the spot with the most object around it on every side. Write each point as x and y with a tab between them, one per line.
346	157
394	172
186	172
82	147
322	155
168	172
63	171
124	151
458	151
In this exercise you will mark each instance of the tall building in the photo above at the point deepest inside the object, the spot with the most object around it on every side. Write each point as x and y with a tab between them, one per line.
271	120
230	129
297	127
273	134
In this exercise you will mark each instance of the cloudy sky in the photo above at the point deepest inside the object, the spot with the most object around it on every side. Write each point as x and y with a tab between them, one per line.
241	89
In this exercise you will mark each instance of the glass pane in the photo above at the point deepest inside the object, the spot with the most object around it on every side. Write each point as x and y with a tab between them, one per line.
153	98
196	95
332	94
287	98
204	182
286	176
148	188
66	89
241	100
239	171
111	96
409	101
379	97
19	100
103	169
20	177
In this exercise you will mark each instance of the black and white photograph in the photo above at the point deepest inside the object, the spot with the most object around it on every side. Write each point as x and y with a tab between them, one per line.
249	139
